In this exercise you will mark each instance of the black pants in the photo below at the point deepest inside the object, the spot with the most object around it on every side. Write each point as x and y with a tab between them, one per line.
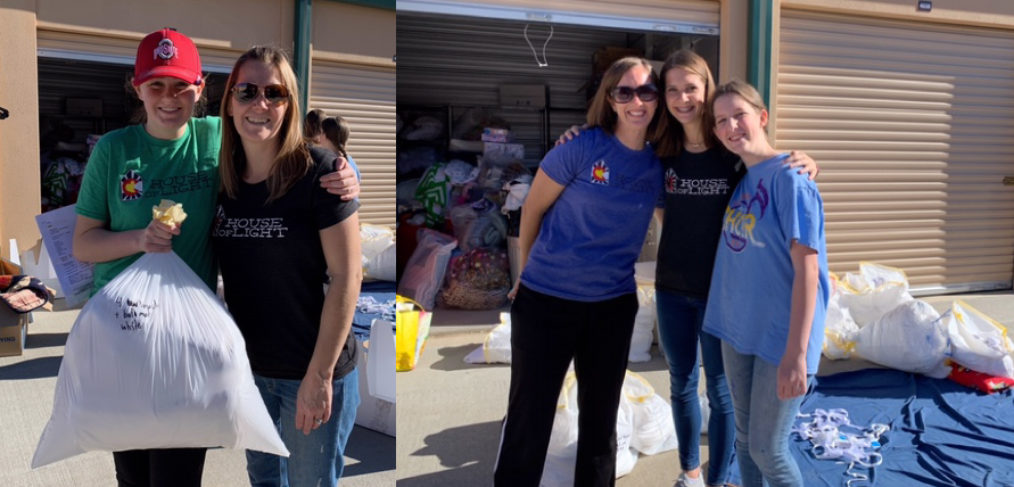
546	333
171	467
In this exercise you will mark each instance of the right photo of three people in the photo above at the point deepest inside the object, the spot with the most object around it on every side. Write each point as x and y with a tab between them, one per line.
706	243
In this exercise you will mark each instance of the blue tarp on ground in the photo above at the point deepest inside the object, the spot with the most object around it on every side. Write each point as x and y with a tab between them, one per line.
942	433
383	292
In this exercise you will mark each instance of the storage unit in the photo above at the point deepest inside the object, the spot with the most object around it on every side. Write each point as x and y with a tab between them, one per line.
912	124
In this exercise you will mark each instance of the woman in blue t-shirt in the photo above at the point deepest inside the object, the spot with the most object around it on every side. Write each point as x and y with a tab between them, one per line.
769	289
582	226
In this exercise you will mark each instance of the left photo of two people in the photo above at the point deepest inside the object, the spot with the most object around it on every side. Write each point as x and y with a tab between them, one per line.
191	243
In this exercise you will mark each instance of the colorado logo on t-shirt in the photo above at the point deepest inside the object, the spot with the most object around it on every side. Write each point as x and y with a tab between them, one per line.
600	173
131	185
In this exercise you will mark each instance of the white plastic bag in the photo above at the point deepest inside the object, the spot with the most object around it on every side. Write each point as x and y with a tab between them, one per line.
979	342
911	337
876	290
643	424
155	361
496	347
644	324
839	328
424	271
379	252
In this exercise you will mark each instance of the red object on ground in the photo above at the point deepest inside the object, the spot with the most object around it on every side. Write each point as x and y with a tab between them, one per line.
978	380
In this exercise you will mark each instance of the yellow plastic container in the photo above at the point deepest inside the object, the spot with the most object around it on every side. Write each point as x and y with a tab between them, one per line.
412	328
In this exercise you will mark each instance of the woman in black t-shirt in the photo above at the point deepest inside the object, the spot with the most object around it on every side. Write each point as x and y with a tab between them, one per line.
273	219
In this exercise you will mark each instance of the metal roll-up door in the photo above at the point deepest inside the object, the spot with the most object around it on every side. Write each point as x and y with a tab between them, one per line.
913	127
365	97
119	49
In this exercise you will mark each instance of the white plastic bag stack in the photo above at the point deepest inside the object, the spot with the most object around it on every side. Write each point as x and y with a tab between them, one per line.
644	424
155	361
911	337
979	342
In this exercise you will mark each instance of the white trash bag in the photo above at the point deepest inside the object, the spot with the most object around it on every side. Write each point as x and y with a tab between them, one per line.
155	361
839	328
496	347
979	342
912	337
644	324
876	290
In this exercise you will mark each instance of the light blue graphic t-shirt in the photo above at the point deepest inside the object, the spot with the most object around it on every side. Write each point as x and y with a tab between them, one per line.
751	287
592	234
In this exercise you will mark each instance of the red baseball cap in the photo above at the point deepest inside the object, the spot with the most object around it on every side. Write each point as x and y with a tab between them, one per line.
167	53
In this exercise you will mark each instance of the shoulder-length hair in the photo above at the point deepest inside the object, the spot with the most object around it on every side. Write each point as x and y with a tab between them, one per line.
670	133
600	112
336	129
293	159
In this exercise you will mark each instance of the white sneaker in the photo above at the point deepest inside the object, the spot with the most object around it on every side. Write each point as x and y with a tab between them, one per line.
685	481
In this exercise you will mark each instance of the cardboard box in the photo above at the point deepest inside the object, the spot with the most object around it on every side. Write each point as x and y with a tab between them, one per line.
373	413
13	330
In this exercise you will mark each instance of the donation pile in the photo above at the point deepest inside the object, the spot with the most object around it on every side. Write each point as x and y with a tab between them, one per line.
155	361
871	315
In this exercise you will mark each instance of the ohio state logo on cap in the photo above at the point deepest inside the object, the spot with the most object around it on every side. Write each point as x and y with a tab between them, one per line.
165	49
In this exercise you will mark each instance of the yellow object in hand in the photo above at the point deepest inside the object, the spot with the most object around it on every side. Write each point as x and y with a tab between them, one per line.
169	212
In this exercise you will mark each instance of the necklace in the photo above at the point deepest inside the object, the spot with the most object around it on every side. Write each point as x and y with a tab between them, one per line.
693	144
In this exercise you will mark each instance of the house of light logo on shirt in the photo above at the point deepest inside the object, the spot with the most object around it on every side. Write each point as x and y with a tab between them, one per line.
131	185
670	180
741	217
224	226
600	173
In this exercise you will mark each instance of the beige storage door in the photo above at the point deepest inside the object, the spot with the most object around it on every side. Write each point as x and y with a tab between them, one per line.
684	16
119	49
365	97
913	127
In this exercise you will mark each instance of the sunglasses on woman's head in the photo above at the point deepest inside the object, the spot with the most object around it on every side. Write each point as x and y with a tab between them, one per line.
274	94
623	94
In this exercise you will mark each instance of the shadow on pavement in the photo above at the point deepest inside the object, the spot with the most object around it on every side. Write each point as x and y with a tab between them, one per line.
35	368
374	451
466	452
453	358
42	340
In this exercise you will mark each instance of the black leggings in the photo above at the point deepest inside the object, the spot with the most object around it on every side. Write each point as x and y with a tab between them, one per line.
171	467
546	333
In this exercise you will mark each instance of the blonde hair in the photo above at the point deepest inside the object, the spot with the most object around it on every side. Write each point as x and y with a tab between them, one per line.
670	133
600	112
742	89
293	159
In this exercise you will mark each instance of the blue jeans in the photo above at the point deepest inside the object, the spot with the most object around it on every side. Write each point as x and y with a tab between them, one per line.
679	329
763	422
316	459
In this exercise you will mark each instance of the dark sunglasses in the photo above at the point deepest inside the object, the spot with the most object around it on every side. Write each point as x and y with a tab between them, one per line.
623	94
274	94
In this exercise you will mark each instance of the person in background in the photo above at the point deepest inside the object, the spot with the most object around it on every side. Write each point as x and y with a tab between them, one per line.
769	290
130	171
299	341
331	133
699	177
582	226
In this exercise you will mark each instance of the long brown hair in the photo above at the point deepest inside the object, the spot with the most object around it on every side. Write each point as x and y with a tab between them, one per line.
669	132
600	112
336	129
293	159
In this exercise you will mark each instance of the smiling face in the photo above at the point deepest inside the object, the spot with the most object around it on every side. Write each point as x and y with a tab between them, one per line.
169	104
258	120
635	114
684	95
740	125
